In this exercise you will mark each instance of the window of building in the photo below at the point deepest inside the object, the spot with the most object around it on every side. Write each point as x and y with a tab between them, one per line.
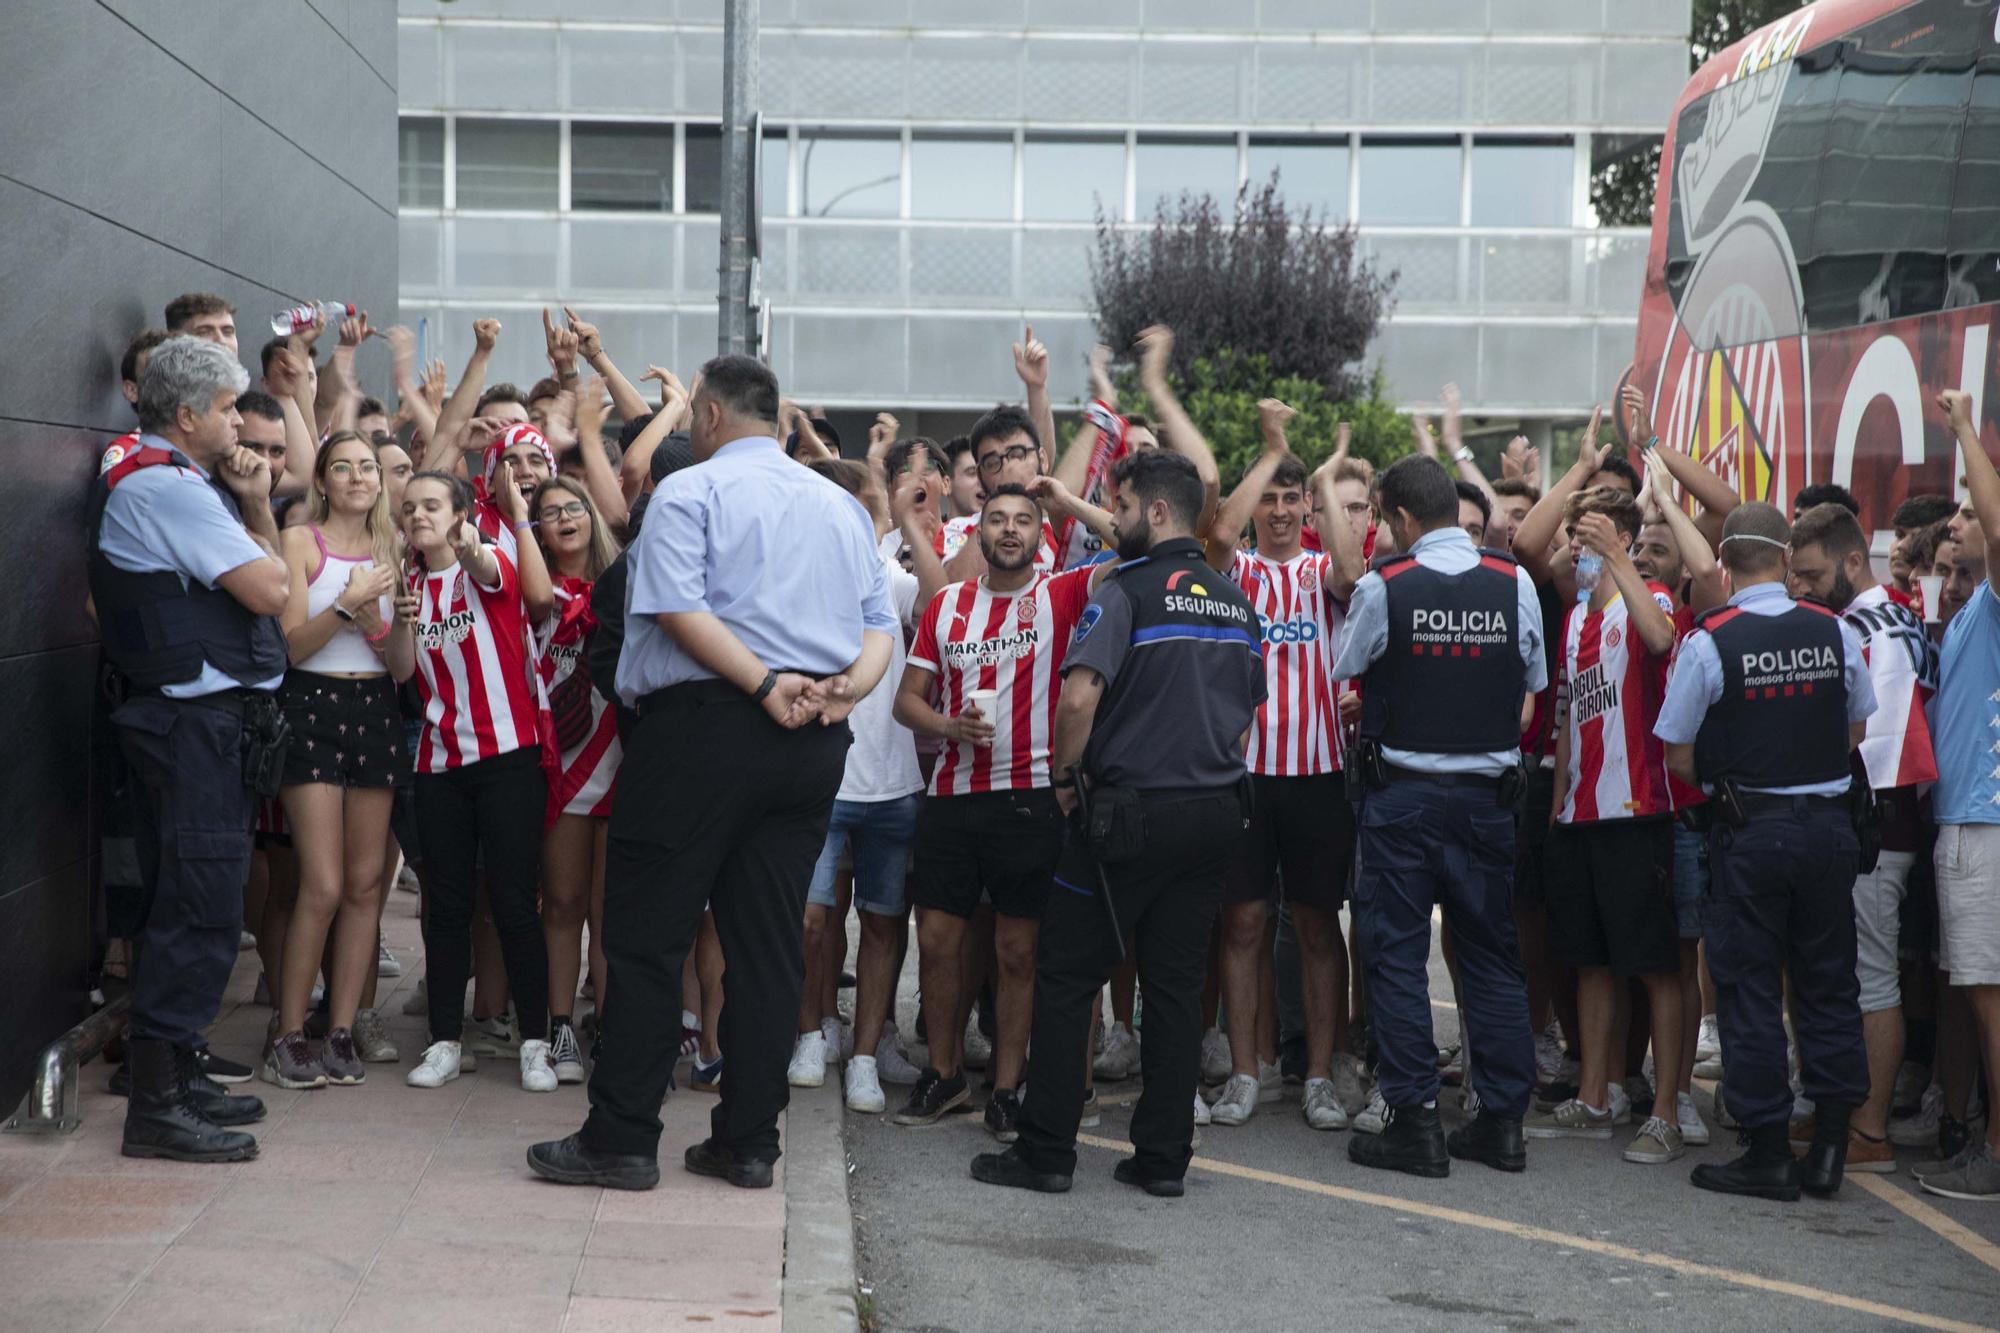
1410	182
1069	178
508	164
1522	182
420	162
962	177
1165	169
622	168
850	175
703	168
1312	173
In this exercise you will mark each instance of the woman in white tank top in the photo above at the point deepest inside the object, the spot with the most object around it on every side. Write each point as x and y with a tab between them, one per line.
346	757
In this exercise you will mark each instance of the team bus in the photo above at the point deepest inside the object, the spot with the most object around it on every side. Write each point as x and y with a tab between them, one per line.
1826	252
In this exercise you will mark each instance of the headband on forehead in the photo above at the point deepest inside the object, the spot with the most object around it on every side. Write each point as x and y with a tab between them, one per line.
518	433
1753	537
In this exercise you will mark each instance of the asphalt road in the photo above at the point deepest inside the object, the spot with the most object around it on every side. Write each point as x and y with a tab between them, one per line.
1279	1231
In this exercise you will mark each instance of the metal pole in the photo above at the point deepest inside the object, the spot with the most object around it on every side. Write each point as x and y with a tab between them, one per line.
734	332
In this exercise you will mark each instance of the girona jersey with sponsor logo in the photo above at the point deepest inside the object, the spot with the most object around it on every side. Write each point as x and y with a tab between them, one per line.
1903	666
956	532
590	757
1610	698
480	697
972	638
1294	734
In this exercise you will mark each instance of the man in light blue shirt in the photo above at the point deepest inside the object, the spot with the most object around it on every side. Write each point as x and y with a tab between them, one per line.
757	616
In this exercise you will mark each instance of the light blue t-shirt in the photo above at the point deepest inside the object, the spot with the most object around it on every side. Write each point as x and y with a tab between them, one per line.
1965	715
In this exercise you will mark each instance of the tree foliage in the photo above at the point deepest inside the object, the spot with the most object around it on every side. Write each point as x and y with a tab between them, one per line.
1622	185
1282	291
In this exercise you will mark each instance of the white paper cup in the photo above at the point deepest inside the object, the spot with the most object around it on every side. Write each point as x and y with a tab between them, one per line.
984	701
1933	586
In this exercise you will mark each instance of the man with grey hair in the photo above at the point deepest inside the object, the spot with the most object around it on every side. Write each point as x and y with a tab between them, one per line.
188	586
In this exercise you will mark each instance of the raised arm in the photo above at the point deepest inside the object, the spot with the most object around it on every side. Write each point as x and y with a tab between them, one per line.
403	373
1225	534
793	418
1454	442
1980	478
598	478
1715	496
1156	346
1697	556
631	403
300	443
919	528
1336	534
1539	528
1031	363
1654	626
1073	468
1059	502
446	445
538	593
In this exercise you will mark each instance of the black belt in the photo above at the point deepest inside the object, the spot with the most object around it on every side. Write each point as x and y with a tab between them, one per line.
1186	793
711	690
234	701
1483	781
1768	802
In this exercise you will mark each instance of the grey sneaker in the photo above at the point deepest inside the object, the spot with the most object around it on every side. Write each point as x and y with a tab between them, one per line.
1941	1166
385	962
371	1039
338	1057
1978	1179
1322	1108
1570	1120
419	1002
292	1063
1656	1143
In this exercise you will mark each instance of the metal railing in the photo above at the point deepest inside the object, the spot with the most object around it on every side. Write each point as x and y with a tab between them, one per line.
50	1106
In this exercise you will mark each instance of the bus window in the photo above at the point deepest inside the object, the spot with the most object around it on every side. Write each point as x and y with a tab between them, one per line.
1975	199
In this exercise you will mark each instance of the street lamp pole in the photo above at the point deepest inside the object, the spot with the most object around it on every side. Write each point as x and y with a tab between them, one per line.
735	331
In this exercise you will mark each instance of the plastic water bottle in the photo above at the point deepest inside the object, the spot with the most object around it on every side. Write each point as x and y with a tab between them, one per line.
1589	569
302	317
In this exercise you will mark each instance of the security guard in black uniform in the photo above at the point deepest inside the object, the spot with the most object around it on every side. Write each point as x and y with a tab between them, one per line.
186	587
1159	688
1447	642
1767	699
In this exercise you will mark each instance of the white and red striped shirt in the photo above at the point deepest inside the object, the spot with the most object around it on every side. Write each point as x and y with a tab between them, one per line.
480	698
956	532
1903	665
1610	698
589	768
972	638
1295	732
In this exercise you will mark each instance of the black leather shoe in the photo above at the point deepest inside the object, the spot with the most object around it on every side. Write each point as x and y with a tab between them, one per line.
706	1159
1491	1139
1160	1187
222	1106
568	1162
121	1081
1412	1142
1825	1160
163	1117
1007	1168
1766	1171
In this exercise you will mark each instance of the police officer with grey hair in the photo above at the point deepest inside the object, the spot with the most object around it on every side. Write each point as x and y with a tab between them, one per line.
187	587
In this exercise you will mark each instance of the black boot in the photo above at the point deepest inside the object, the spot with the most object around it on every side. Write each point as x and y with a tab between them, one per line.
164	1118
1767	1171
1826	1158
217	1103
1412	1142
1491	1139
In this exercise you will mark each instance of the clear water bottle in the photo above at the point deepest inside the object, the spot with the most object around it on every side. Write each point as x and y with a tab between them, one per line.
1589	570
302	317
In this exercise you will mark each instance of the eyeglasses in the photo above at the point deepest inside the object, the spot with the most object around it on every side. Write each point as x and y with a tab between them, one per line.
557	513
347	469
990	464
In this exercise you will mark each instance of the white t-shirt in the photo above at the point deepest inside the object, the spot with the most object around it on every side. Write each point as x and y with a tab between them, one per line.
882	763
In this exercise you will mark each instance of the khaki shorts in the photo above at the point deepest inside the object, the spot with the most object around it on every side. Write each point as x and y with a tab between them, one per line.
1968	887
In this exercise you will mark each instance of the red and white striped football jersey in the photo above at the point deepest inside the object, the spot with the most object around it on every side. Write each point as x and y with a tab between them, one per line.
1295	732
956	532
589	767
480	697
972	638
1611	694
1903	665
1683	796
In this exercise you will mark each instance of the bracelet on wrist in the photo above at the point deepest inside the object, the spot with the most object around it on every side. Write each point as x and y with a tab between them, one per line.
379	636
524	525
763	691
343	613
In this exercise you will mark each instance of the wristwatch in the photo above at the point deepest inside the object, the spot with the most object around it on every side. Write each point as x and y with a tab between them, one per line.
1463	453
1064	780
343	612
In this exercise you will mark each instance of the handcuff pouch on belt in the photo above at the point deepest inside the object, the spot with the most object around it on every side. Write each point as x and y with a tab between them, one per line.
266	737
1115	824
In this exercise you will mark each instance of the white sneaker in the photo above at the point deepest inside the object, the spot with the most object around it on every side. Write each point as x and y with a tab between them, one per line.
1201	1112
1375	1118
1238	1102
1707	1044
1621	1103
891	1065
1694	1131
1270	1083
1549	1052
1911	1081
491	1036
808	1067
538	1068
1919	1130
839	1041
439	1066
1350	1082
863	1089
1120	1056
978	1051
1322	1108
385	962
1215	1060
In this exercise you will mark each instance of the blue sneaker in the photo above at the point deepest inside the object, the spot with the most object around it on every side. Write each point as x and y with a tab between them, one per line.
706	1078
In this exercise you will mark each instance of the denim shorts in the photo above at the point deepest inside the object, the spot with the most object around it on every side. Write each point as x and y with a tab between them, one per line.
879	832
1690	879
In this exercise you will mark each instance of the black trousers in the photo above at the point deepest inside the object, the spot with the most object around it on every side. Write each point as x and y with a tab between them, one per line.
1781	899
717	806
490	812
1166	898
193	842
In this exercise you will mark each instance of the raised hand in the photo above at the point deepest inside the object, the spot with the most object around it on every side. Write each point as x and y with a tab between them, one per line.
435	379
355	330
1638	424
1101	388
591	407
1598	533
670	386
587	340
1420	436
1031	361
1156	349
1956	404
1271	417
1454	421
285	373
402	357
561	345
882	433
1519	459
485	334
1590	455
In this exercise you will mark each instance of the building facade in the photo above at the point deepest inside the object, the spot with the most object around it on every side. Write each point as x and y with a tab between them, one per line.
931	172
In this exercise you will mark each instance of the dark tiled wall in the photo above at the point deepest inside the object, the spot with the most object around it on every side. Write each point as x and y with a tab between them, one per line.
152	147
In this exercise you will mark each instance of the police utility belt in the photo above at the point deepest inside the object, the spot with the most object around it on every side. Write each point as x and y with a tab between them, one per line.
1732	807
1369	770
266	736
1113	819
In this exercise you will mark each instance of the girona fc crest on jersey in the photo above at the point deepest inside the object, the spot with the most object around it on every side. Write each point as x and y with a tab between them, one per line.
1308	578
1024	613
1612	637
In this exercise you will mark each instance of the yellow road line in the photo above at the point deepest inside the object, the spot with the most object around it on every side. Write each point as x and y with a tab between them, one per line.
1914	1208
1546	1236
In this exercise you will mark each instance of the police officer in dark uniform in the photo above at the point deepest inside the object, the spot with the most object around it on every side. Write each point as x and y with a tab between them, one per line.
1447	642
1159	688
1767	699
187	587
